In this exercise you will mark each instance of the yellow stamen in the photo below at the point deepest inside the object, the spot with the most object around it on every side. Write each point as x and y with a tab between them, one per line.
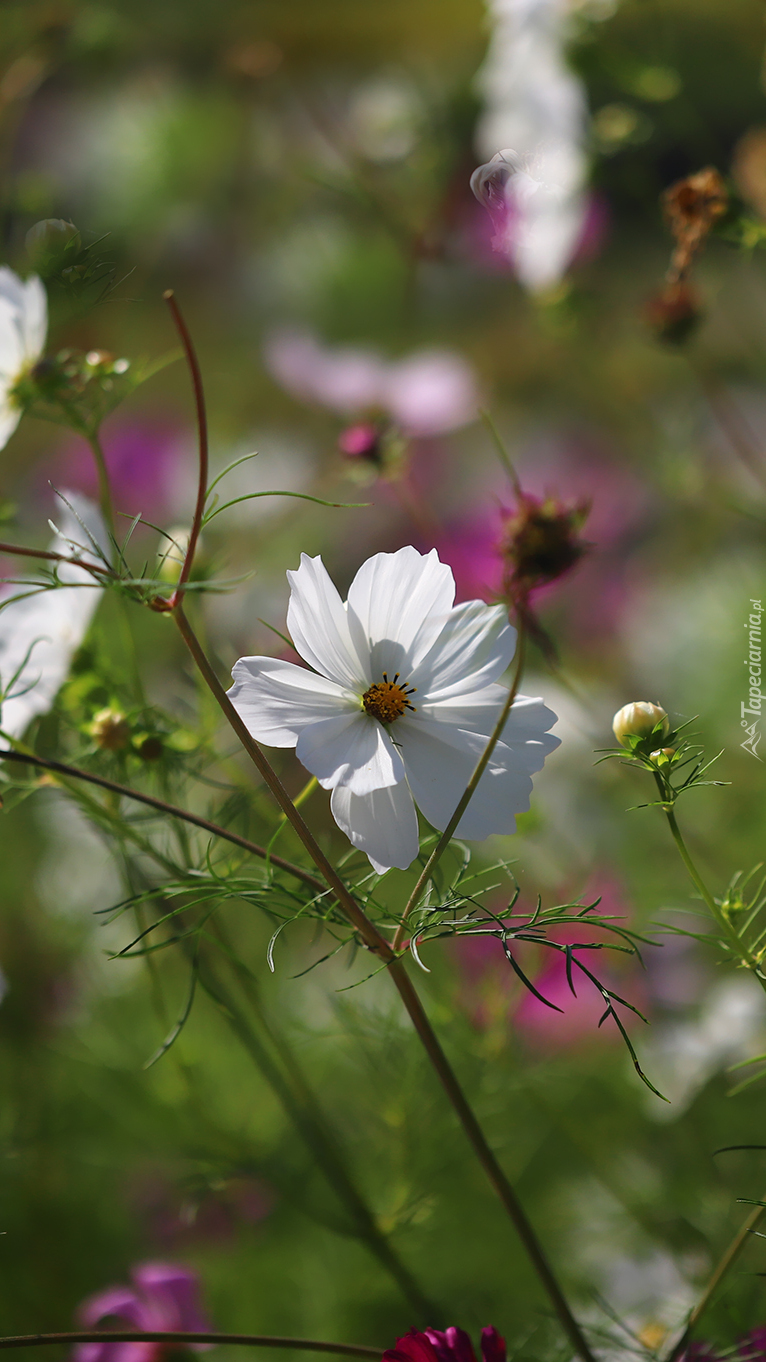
387	700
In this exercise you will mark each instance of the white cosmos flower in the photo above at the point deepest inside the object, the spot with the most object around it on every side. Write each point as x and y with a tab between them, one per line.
23	328
40	630
399	704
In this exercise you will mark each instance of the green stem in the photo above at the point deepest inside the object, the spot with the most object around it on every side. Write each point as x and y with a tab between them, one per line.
161	805
739	949
465	798
156	1336
104	487
309	1120
737	945
722	1267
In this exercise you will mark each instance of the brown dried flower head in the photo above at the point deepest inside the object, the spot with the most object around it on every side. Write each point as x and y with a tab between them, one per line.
692	206
541	541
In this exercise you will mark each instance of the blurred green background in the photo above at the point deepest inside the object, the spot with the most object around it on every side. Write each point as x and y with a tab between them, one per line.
305	165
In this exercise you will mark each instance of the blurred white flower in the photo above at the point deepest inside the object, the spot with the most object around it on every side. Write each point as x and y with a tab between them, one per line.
682	1056
41	628
400	704
23	328
428	393
535	107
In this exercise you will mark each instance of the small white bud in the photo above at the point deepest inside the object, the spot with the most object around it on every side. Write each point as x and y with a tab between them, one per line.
639	720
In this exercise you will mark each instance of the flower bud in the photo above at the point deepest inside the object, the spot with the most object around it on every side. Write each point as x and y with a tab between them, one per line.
663	756
639	720
51	244
361	441
110	729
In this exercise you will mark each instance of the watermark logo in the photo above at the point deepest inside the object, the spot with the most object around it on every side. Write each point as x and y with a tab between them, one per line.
751	709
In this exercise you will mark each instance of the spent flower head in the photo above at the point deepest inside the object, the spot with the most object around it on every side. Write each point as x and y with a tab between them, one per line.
541	541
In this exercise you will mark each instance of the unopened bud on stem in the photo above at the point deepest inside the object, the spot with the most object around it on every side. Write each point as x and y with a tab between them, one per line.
640	720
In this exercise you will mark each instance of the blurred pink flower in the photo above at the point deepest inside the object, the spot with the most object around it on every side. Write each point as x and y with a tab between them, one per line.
428	393
163	1296
490	992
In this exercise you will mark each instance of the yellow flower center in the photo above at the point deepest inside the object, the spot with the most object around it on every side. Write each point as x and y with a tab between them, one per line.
387	700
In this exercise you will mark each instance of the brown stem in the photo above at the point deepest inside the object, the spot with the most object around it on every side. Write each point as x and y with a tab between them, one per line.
376	943
313	1345
199	399
21	551
362	924
467	795
172	810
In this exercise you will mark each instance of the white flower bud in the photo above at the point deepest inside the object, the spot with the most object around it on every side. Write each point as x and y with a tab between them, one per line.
639	720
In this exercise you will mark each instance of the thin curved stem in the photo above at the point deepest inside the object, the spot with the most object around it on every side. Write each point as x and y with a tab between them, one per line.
467	795
172	810
199	401
368	932
406	989
370	935
727	1260
312	1345
104	486
21	551
301	1106
738	946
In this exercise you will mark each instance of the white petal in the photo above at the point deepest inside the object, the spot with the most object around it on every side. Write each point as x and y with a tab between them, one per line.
11	342
440	759
318	625
478	713
383	824
9	419
397	605
277	700
34	318
352	750
40	632
11	289
473	649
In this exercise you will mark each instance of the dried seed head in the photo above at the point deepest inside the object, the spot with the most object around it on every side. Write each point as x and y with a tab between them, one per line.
541	541
692	206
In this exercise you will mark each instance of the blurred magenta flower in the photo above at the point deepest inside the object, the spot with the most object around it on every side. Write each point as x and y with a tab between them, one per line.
472	542
164	1296
446	1345
428	393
